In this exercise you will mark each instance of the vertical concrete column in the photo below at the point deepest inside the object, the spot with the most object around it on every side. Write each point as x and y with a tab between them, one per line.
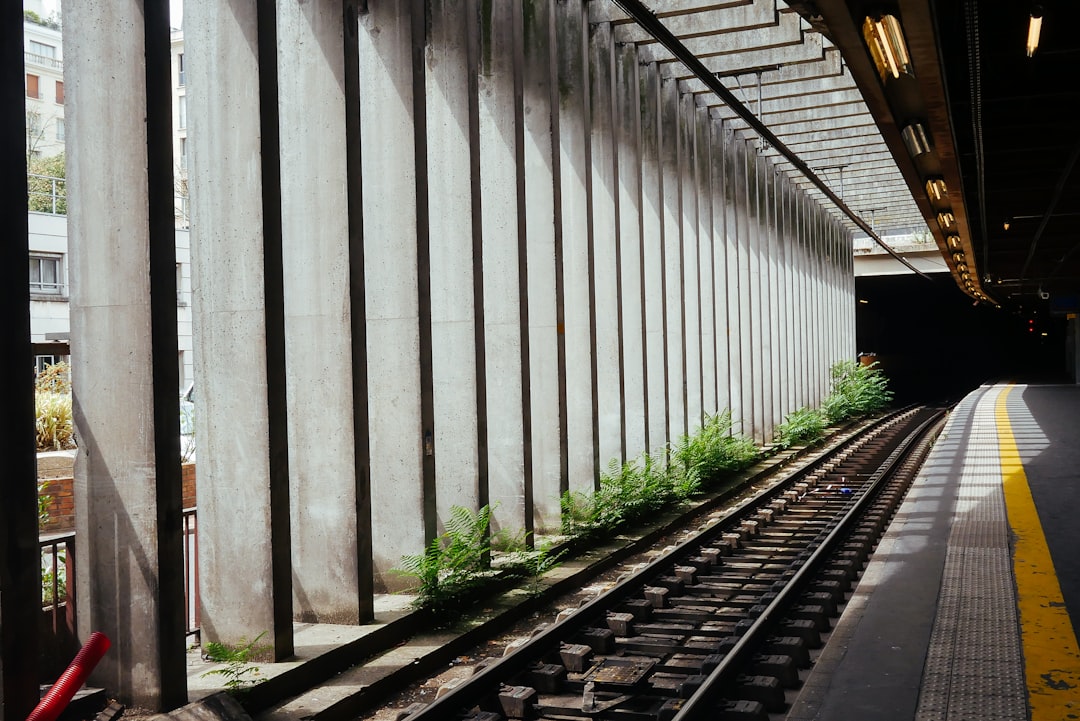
574	188
20	579
505	263
318	338
402	503
801	300
122	270
706	268
245	574
605	244
746	423
735	300
543	227
775	359
758	332
691	274
671	183
453	266
719	246
764	183
631	250
653	255
821	366
784	301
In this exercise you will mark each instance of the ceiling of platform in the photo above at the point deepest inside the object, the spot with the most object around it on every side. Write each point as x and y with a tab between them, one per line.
997	125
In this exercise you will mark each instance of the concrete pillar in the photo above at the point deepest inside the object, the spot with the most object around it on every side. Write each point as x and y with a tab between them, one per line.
574	187
785	316
652	253
706	267
691	274
543	228
631	250
801	324
775	358
719	245
324	492
764	183
746	295
20	575
123	316
453	266
671	184
402	499
605	246
245	574
506	274
735	260
758	332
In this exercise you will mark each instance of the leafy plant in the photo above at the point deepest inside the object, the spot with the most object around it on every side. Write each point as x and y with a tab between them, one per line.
54	428
238	670
455	563
46	184
713	450
802	427
44	502
857	390
51	574
54	378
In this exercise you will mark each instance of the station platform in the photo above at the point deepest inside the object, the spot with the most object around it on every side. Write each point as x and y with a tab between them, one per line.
968	608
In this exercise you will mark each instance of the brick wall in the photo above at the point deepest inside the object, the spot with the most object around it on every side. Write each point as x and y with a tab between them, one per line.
62	503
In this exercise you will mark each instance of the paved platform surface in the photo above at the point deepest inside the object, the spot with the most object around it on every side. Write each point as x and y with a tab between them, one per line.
966	610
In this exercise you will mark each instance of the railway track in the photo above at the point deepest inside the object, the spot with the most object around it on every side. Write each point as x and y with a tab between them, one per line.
720	626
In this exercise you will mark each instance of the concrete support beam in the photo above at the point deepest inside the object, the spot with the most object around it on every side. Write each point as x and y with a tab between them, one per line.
20	579
671	184
507	347
706	271
578	292
733	191
605	244
127	473
631	250
721	327
402	499
691	273
653	255
455	271
245	565
543	236
324	490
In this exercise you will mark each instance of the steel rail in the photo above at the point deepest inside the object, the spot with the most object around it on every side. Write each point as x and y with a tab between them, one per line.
703	703
478	687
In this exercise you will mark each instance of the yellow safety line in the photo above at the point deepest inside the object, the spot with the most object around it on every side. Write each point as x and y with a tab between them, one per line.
1051	652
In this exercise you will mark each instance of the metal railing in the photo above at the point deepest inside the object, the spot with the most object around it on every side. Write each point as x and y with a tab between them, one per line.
43	60
57	564
47	194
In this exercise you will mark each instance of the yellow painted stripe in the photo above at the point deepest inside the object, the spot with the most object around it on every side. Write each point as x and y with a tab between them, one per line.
1051	653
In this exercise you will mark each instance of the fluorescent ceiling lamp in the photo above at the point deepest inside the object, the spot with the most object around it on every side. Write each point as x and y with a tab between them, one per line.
1034	29
886	42
916	139
935	189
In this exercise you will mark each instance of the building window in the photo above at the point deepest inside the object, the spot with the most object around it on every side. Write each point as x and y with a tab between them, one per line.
180	69
59	92
41	362
45	51
182	108
180	287
183	153
32	90
47	274
59	128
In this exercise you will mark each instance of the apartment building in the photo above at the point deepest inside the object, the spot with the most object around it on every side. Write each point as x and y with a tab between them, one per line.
49	290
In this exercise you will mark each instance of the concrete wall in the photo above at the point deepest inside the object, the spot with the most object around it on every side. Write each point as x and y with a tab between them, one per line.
487	255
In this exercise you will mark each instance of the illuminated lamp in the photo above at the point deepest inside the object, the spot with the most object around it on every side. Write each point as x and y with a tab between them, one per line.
935	189
1034	29
958	257
916	139
954	241
962	267
946	220
885	39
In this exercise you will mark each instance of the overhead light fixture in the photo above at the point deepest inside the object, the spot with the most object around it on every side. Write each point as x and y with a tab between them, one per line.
958	257
1006	225
946	220
962	267
916	139
887	47
1034	29
935	189
954	241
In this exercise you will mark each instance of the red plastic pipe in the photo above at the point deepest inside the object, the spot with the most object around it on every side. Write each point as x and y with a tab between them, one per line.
59	696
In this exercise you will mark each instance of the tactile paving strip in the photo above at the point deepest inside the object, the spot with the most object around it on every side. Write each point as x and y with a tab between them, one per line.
974	668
